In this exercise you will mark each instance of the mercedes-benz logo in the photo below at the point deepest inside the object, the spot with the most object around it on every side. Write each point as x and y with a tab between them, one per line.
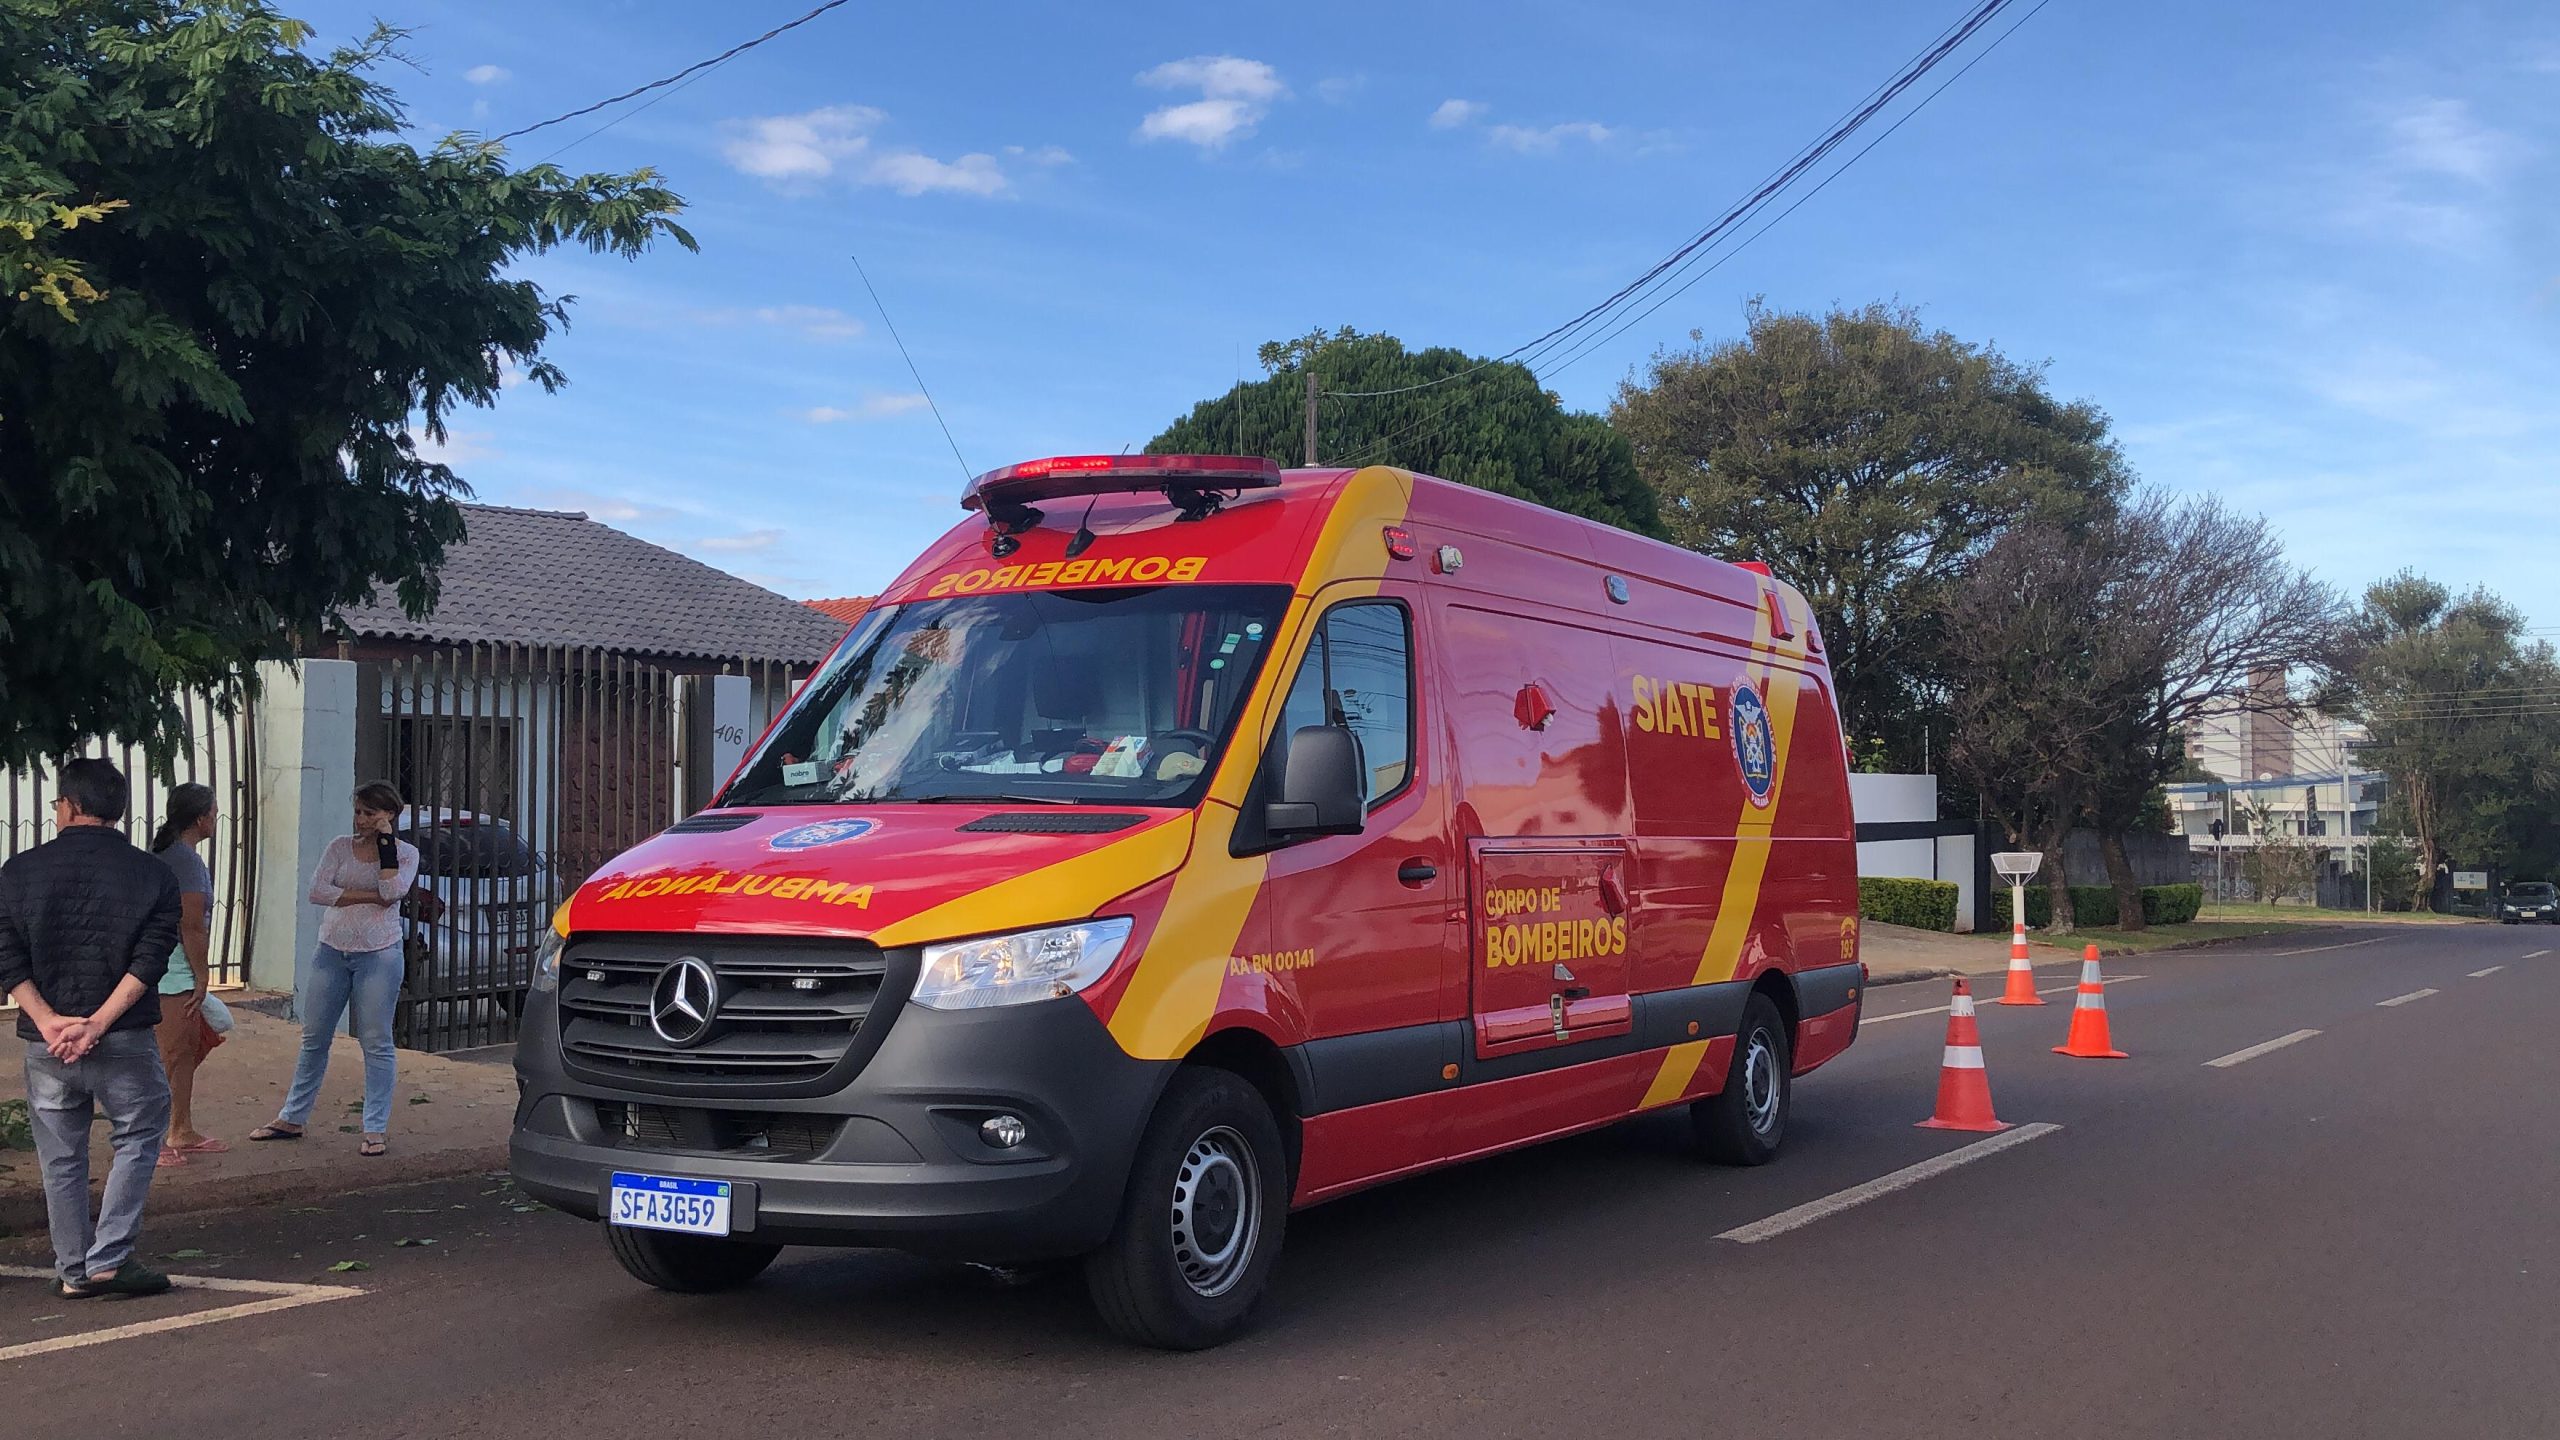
684	1001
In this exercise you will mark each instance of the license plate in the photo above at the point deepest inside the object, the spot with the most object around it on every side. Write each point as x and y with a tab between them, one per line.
660	1202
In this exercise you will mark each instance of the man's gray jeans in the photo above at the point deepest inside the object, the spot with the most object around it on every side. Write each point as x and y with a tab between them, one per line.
122	1078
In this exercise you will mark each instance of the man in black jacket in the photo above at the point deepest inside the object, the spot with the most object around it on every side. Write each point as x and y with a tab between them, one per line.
87	921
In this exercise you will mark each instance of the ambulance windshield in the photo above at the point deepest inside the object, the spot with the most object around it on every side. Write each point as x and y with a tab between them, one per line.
1094	696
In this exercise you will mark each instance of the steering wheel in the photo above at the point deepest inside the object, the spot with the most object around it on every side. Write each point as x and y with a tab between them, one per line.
1199	740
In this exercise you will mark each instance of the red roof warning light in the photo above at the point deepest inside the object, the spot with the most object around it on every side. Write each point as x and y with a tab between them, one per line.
1061	476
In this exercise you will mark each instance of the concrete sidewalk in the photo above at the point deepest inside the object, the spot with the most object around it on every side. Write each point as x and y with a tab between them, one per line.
449	1117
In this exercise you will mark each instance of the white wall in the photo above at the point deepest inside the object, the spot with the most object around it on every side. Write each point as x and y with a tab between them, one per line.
306	798
1903	800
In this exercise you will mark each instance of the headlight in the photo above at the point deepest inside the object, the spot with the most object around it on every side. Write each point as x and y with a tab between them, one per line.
1026	965
546	960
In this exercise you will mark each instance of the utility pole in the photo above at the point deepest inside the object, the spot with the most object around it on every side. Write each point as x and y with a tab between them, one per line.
1311	417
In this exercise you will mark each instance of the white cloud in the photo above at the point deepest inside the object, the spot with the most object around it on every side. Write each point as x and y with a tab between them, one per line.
459	447
752	540
1339	89
910	173
818	322
2439	137
2434	177
837	140
1235	94
874	406
1454	113
487	74
1040	155
802	147
1530	140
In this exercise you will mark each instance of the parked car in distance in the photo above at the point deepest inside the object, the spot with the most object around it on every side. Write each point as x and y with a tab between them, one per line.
482	902
2530	902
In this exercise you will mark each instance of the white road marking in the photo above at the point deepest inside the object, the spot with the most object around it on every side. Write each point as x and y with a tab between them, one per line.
1902	1179
1991	1001
2404	999
2485	974
2535	954
2253	1052
2319	949
278	1296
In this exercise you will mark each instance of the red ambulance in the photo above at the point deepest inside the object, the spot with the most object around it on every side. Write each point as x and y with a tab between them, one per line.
1183	841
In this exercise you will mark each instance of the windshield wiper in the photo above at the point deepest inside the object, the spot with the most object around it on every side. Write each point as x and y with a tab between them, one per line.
951	798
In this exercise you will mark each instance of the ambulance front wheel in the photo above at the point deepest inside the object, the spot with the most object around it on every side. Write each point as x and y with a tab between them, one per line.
1199	1229
1745	1122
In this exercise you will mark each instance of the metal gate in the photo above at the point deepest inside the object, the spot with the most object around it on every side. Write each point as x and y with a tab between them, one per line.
525	767
221	751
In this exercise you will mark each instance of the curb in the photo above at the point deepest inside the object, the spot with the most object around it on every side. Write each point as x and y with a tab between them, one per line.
1909	977
22	1210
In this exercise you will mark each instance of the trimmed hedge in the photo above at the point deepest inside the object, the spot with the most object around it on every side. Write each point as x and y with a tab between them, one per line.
2171	904
2095	905
1919	904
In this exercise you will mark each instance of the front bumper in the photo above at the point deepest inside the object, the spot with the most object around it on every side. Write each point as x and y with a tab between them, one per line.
906	1169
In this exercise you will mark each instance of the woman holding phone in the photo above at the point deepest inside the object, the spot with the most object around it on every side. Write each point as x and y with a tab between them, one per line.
183	991
360	881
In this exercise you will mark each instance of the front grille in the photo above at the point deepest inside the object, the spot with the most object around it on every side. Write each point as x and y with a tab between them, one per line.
757	1134
1036	823
788	1013
711	822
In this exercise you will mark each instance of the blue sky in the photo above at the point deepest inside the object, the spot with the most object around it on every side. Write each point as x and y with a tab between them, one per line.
2309	259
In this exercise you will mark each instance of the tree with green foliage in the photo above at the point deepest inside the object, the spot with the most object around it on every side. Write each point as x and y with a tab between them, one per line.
2391	869
237	306
2458	700
1869	460
1478	423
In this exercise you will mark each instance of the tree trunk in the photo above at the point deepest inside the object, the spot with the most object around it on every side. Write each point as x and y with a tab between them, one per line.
2057	886
2120	875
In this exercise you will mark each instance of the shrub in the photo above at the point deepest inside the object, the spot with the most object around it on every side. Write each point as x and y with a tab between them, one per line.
2095	905
2171	904
1919	904
2090	905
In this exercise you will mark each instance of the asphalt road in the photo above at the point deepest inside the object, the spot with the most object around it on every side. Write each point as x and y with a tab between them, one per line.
2350	1235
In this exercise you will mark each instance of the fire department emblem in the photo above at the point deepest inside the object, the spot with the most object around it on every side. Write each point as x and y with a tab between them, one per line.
822	832
1753	747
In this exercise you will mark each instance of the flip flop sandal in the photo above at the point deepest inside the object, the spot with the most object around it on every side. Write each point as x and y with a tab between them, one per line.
374	1146
206	1146
170	1158
273	1132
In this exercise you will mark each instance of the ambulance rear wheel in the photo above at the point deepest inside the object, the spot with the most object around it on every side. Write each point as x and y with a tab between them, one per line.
1199	1229
1746	1122
687	1264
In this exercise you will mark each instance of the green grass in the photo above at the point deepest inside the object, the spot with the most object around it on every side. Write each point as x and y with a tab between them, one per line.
2165	937
2310	915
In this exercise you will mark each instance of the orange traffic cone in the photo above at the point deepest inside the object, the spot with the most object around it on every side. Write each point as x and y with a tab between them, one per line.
2089	1039
2022	975
1964	1091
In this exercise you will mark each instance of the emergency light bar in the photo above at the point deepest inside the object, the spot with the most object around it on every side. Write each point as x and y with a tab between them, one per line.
1014	487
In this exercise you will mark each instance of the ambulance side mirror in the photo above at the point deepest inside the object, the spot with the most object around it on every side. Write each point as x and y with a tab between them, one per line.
1320	792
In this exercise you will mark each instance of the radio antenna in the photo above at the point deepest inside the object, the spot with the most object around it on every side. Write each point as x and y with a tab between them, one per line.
965	472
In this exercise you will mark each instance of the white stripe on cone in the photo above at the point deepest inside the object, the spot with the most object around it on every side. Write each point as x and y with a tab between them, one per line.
1963	1006
2090	1000
2089	973
1963	1057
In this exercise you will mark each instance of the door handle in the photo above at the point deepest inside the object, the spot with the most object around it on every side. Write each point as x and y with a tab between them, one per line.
1417	872
1577	992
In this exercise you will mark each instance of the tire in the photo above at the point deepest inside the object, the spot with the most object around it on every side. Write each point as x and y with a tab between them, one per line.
1199	1230
687	1264
1746	1122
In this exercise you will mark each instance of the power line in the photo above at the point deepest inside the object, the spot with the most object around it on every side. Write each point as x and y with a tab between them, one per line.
965	472
1804	160
722	58
1595	340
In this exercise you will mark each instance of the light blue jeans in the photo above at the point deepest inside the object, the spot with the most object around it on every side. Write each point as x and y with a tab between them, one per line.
368	984
121	1076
